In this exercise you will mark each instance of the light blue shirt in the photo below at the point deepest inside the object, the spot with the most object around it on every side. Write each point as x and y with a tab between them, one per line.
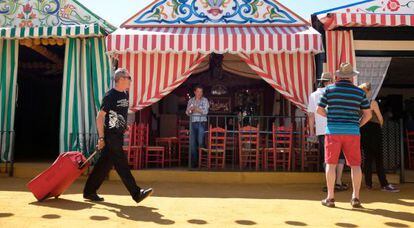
203	105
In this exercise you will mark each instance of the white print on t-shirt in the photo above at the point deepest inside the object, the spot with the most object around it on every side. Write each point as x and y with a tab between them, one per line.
122	103
115	120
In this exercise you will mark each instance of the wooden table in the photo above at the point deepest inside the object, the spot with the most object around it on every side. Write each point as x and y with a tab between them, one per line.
170	144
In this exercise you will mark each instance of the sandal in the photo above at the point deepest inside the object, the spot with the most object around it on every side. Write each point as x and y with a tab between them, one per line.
356	203
343	187
328	202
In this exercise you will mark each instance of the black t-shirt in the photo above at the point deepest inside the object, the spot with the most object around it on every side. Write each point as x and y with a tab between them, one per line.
115	104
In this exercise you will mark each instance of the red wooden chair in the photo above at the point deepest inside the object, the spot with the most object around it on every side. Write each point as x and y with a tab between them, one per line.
249	143
215	155
280	155
130	148
153	154
410	147
183	135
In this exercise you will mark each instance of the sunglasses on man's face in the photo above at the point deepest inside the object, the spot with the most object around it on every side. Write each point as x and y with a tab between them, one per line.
128	77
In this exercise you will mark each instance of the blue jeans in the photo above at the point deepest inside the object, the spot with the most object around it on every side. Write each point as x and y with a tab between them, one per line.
196	141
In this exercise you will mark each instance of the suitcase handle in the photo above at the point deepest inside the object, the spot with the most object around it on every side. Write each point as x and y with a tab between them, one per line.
89	158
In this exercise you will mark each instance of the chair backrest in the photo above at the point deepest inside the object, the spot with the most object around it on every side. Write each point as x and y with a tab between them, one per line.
282	137
217	138
141	136
129	136
249	137
410	141
183	135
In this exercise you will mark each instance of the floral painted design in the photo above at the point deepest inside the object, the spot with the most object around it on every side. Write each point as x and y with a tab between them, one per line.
385	6
393	5
26	16
214	12
66	11
45	13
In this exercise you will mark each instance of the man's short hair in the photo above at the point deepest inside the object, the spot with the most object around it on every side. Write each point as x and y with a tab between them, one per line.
119	73
198	87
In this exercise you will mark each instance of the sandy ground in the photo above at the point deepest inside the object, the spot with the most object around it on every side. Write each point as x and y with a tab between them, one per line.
204	205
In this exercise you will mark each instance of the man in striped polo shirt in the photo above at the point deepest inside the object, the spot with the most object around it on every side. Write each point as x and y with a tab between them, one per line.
342	103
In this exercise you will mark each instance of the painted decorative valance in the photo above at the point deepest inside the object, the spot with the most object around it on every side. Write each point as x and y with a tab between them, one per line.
214	13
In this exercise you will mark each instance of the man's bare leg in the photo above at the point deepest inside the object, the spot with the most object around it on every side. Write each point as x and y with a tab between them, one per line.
339	171
356	175
330	180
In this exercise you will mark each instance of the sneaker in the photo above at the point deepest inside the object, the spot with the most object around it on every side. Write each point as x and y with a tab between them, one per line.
356	203
93	197
390	188
143	193
369	187
328	202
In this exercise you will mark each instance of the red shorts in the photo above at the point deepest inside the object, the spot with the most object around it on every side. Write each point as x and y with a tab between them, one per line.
349	144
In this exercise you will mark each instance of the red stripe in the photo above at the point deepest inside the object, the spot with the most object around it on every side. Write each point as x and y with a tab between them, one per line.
159	75
306	42
403	21
208	40
127	42
118	42
330	49
364	19
393	22
412	20
279	43
145	42
269	65
383	21
217	39
143	77
308	75
261	39
175	67
136	77
233	31
109	42
181	40
190	39
135	47
353	18
271	37
226	39
344	20
301	76
167	69
291	68
252	38
373	19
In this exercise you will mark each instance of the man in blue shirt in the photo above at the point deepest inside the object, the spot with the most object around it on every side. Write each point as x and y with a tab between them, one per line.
197	109
342	103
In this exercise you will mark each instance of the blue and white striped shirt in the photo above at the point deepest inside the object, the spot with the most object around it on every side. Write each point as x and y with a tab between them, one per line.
203	105
344	102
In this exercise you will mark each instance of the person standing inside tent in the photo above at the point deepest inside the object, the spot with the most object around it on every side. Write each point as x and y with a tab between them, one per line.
317	128
112	123
197	109
371	140
342	103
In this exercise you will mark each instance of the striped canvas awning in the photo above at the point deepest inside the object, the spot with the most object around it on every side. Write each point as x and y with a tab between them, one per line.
249	39
92	30
334	20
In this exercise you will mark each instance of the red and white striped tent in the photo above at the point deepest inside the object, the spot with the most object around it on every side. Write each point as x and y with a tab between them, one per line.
339	22
167	41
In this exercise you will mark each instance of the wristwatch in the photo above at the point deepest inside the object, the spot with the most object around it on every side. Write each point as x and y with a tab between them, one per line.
100	138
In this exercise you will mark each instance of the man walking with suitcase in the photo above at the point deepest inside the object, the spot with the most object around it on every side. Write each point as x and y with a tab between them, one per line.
112	123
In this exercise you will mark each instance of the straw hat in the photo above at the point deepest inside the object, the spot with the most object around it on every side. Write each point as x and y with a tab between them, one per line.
326	76
346	71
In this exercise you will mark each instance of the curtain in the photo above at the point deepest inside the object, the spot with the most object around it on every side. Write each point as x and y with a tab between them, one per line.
339	49
292	75
9	51
157	74
86	79
373	70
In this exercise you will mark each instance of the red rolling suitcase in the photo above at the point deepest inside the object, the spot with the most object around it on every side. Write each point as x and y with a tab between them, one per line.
59	176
